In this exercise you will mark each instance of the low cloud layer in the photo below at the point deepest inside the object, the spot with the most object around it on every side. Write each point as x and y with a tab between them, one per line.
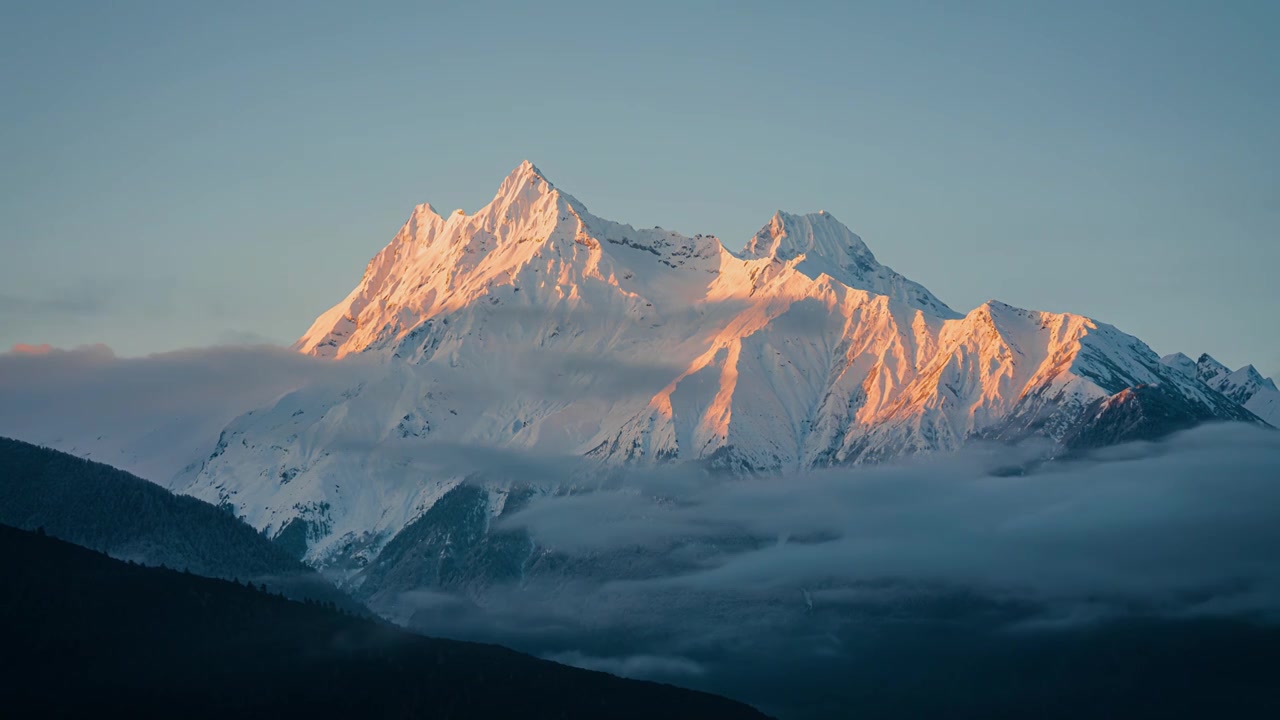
149	415
1168	523
153	415
807	594
1187	523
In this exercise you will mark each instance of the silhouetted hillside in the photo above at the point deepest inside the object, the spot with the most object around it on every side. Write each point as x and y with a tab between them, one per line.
100	507
87	634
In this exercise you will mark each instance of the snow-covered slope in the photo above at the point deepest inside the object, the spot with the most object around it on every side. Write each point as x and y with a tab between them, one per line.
534	325
1246	386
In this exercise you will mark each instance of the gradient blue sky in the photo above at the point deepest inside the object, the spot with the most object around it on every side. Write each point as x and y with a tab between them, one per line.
177	174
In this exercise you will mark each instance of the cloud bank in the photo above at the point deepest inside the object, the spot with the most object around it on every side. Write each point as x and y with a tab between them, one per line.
809	594
1161	522
150	415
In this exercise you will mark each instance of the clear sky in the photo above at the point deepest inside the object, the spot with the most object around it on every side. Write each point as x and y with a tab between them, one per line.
177	173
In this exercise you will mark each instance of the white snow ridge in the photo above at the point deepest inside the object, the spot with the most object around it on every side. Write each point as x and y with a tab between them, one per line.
535	325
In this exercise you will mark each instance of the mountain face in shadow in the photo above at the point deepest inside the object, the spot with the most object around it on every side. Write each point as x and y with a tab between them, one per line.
91	634
102	508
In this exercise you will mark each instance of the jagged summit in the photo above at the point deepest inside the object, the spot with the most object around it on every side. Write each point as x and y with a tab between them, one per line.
527	168
1252	375
1208	368
787	235
532	231
436	263
526	177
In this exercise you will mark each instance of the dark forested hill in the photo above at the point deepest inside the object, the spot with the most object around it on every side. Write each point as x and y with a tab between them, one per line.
88	635
100	507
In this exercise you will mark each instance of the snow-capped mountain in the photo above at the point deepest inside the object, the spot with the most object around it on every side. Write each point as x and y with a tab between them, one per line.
538	326
1246	386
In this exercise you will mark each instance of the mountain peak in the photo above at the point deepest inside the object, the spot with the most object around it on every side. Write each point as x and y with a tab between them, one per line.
425	210
525	170
1181	363
824	245
816	236
1248	376
1207	368
525	179
811	233
539	241
1246	386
